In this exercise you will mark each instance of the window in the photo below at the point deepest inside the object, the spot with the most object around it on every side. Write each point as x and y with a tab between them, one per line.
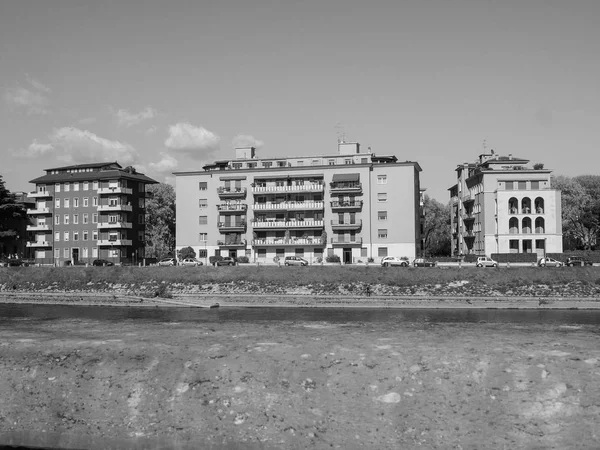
382	233
66	236
202	220
57	220
76	202
86	185
141	203
75	219
381	179
381	215
141	219
75	235
85	202
522	185
76	186
203	237
85	252
57	187
141	236
85	218
94	235
94	201
382	197
314	162
66	202
509	185
202	253
363	252
331	162
203	185
267	163
57	203
113	218
252	165
202	203
382	251
67	187
66	252
281	164
535	185
94	252
85	235
95	218
347	161
300	163
95	186
66	219
56	253
57	236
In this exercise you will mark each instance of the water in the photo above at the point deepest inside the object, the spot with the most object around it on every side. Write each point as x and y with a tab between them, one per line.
10	312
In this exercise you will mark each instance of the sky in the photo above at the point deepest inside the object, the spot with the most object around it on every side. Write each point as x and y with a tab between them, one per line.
171	86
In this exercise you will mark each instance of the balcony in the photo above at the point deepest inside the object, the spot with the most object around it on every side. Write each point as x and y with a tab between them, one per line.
341	187
469	234
114	242
346	242
40	194
288	206
236	244
102	208
115	190
232	208
349	205
275	224
467	198
231	192
468	216
38	227
283	242
115	224
233	227
39	210
337	225
38	244
308	187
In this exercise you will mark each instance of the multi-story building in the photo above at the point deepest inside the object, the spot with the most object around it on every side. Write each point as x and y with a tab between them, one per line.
87	212
352	204
502	205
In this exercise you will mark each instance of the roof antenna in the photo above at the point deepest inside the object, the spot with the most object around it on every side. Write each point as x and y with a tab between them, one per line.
341	134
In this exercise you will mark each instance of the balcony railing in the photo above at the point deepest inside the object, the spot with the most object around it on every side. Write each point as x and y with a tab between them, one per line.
468	234
39	194
307	187
231	192
234	244
337	225
285	206
287	224
39	210
39	244
115	190
115	224
282	242
233	208
38	227
468	216
114	242
115	208
346	241
227	227
356	204
345	186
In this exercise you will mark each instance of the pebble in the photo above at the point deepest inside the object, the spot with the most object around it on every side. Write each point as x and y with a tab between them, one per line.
392	397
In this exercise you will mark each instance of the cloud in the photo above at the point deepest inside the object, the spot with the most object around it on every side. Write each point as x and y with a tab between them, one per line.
167	164
33	102
194	140
87	121
245	140
37	84
153	129
127	119
74	146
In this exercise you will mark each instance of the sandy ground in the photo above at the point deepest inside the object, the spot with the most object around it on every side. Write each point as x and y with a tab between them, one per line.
298	384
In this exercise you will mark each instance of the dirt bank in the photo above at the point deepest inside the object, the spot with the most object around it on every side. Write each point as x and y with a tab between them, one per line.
136	384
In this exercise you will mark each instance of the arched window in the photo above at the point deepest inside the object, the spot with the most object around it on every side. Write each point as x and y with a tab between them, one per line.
526	226
526	205
513	225
540	225
513	206
539	205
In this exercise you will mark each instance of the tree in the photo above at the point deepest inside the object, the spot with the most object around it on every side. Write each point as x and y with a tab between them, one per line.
436	228
186	252
580	204
160	220
12	215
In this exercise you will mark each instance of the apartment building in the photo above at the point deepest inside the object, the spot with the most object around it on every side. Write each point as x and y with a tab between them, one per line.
354	204
87	212
501	204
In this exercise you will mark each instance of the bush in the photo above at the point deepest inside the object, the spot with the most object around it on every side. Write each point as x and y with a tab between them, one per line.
213	259
243	259
515	257
370	259
333	259
186	252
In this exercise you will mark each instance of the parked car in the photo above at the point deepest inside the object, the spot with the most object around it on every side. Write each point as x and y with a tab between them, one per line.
549	262
389	261
227	261
577	261
486	261
422	262
167	262
295	261
102	262
190	262
14	262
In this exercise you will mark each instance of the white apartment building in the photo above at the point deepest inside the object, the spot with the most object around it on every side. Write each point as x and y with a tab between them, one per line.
353	204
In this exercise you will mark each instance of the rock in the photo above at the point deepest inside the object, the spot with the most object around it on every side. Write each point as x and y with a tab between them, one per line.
392	397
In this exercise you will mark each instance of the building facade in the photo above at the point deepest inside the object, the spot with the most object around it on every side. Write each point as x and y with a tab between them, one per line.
351	204
87	212
502	205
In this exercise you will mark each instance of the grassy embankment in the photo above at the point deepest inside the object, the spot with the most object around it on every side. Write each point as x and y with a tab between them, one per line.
315	280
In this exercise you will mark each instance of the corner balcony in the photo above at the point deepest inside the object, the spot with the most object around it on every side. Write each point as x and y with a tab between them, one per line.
114	225
288	206
283	224
345	187
114	242
469	234
468	198
103	208
231	192
38	227
235	244
293	242
468	216
232	208
337	225
38	244
346	242
115	190
347	206
308	187
233	227
38	210
40	194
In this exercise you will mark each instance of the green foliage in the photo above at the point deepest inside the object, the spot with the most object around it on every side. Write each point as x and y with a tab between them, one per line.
214	259
332	259
436	228
186	252
160	220
243	259
12	216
